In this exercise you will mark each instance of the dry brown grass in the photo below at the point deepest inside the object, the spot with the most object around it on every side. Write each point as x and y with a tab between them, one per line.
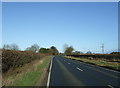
12	76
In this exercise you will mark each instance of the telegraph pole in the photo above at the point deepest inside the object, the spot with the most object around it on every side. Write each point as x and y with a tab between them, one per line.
102	48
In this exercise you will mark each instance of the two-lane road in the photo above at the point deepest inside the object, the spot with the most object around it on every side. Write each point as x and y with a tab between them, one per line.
66	72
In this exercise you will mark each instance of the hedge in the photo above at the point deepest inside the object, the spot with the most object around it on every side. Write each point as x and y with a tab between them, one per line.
99	56
14	59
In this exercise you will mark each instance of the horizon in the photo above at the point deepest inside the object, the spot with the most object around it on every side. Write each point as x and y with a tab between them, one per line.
83	25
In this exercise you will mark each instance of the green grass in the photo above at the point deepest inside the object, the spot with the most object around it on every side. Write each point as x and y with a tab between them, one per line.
112	65
30	78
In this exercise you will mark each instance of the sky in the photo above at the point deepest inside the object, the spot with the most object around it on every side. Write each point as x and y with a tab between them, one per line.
60	0
83	25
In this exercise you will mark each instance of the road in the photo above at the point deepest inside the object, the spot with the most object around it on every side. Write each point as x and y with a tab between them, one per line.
67	72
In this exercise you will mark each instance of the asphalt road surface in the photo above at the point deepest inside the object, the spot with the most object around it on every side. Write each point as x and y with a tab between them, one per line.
67	72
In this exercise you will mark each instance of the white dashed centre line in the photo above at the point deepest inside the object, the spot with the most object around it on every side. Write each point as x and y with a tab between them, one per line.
79	69
68	63
110	86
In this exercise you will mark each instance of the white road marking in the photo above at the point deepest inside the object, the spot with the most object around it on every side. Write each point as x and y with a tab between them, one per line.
109	69
48	81
110	86
79	69
68	63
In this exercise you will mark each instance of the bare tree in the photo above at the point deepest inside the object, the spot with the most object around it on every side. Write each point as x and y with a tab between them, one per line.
14	47
10	47
6	47
34	48
65	46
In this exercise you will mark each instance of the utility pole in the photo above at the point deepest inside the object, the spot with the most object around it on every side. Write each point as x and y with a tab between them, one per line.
102	48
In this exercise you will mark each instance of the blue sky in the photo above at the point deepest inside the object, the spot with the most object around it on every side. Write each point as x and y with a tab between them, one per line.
84	25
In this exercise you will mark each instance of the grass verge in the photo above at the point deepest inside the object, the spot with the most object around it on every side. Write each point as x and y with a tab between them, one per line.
31	78
29	74
101	63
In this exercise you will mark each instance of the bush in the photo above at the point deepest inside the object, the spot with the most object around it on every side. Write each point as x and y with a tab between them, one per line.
14	59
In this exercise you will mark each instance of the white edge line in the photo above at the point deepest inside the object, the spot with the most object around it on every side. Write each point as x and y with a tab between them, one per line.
100	67
48	81
103	68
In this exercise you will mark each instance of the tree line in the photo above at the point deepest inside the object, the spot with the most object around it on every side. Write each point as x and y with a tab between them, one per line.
34	48
67	50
